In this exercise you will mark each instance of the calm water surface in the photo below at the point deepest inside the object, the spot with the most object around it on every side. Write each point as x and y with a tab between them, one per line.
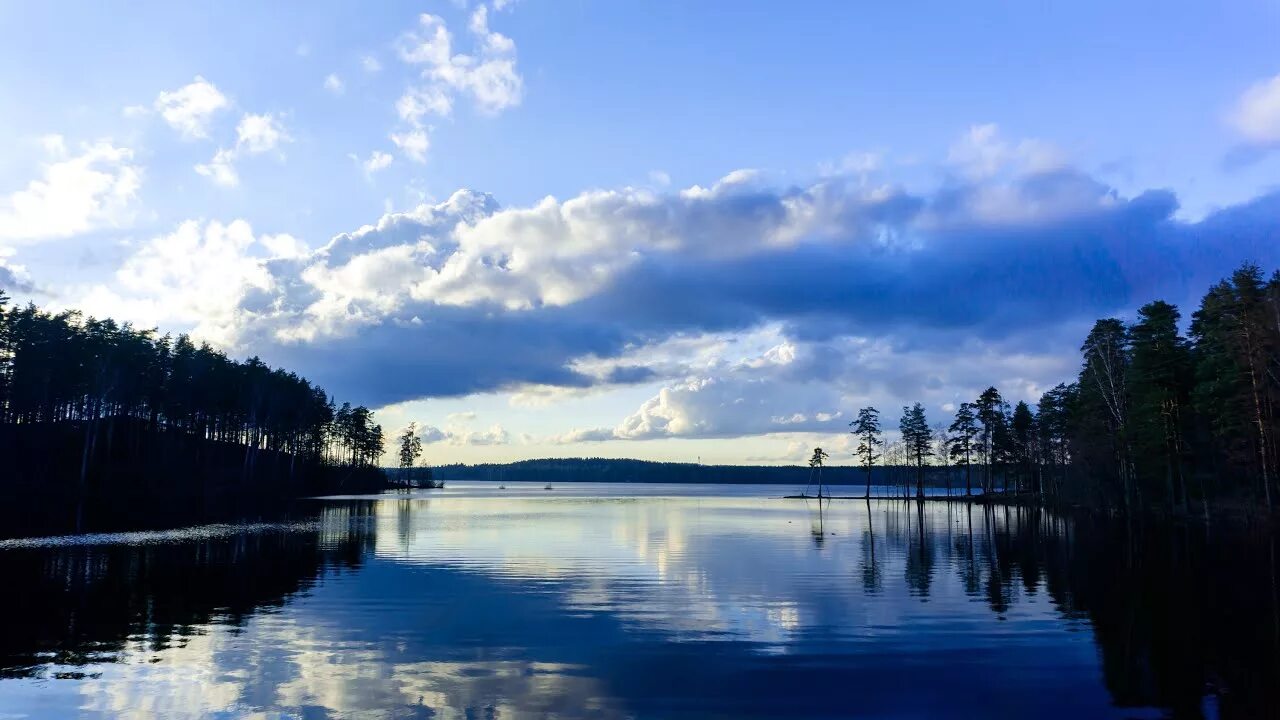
642	601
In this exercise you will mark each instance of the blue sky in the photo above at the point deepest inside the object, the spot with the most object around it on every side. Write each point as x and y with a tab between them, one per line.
761	216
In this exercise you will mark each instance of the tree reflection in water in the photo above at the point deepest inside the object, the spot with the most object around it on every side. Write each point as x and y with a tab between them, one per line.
1178	612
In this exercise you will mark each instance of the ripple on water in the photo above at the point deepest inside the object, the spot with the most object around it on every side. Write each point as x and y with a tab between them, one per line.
158	537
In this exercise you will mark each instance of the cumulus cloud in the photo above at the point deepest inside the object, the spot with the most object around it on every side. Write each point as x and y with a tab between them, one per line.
493	435
983	152
812	386
334	84
75	193
255	135
190	108
746	307
413	144
487	76
197	276
221	169
1256	116
14	278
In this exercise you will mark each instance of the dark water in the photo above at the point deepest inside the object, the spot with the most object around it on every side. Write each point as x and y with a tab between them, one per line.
643	601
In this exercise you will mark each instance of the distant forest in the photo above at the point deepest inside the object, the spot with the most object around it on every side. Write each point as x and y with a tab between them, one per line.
555	470
89	405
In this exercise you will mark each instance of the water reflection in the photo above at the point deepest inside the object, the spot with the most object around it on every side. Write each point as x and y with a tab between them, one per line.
598	604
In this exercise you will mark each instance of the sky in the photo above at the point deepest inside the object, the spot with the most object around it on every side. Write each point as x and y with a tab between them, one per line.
675	231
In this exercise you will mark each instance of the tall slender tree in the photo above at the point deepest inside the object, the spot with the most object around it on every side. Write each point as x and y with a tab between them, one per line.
1160	388
815	466
918	441
6	356
1104	394
1054	427
1237	342
990	413
410	450
866	428
97	375
1022	436
964	435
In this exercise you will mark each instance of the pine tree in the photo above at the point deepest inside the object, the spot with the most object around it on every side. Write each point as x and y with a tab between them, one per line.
1054	426
1022	426
917	439
1237	340
867	430
964	434
1104	397
989	411
410	450
1160	388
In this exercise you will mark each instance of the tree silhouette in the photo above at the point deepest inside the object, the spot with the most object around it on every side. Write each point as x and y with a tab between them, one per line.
410	450
69	370
918	440
964	433
1022	444
989	412
815	465
867	430
1160	388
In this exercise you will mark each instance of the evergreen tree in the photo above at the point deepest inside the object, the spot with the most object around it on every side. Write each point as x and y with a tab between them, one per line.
1160	388
917	439
867	430
1054	426
410	449
964	435
989	409
1237	341
5	355
1022	426
1104	402
93	374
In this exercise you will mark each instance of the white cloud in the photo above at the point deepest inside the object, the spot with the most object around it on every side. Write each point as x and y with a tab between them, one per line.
465	253
1257	113
418	102
190	108
255	134
861	165
333	84
982	153
488	76
458	434
221	169
431	44
94	189
284	246
814	387
260	133
197	276
370	64
378	160
194	276
413	143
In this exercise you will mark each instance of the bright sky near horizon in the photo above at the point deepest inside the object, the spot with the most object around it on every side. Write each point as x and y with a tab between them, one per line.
657	229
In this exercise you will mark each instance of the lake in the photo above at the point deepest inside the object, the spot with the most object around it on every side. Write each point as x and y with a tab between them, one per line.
650	601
